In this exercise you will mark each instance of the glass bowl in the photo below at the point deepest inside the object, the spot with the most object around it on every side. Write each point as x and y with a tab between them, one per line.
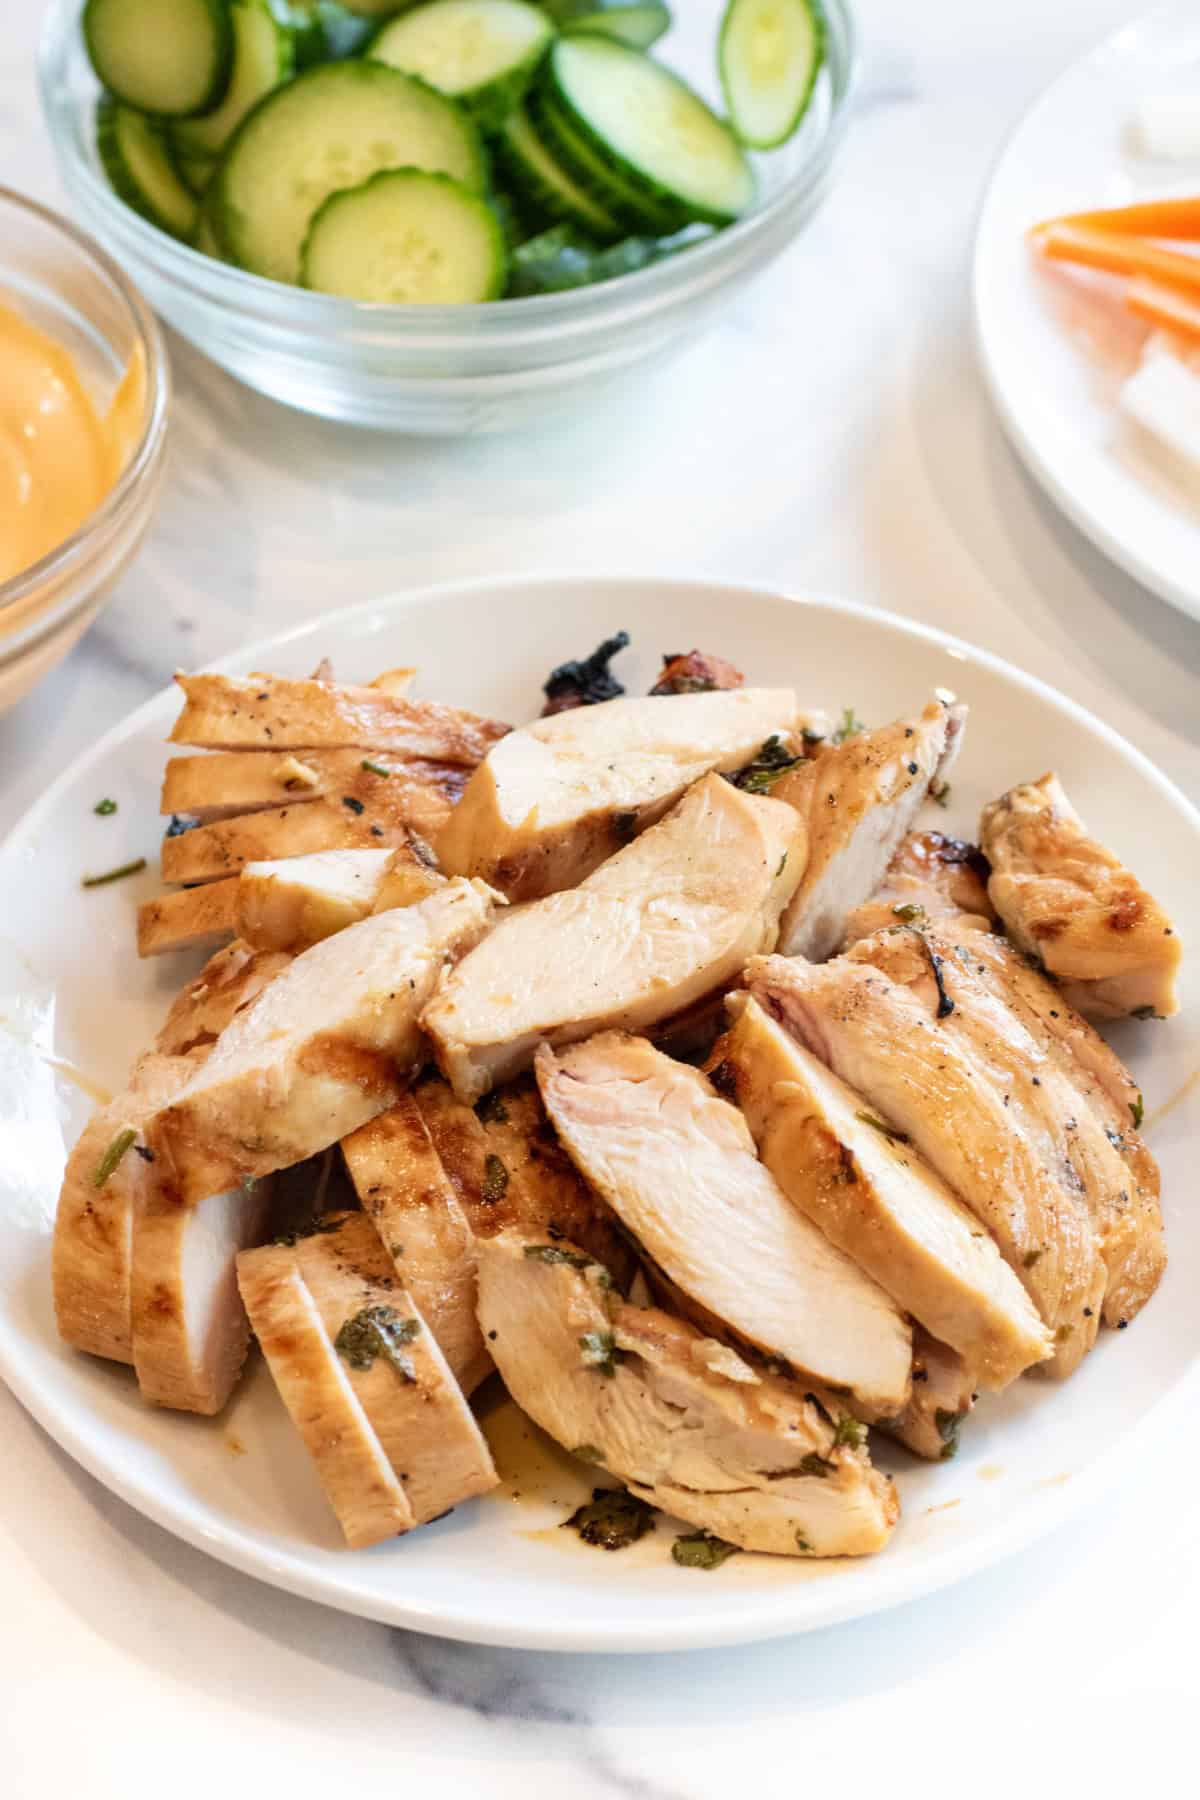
68	287
443	369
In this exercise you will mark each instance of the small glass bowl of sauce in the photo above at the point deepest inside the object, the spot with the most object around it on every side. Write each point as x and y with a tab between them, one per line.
84	390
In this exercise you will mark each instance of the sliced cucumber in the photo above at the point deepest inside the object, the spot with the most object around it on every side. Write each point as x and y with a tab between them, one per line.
481	52
634	24
331	128
769	54
634	209
168	57
136	157
195	171
562	258
376	9
660	137
543	185
263	57
407	238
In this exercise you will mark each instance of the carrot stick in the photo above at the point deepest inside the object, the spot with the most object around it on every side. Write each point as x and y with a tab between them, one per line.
1117	254
1179	218
1163	306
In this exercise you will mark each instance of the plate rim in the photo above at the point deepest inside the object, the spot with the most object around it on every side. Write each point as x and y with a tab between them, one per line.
762	1616
1142	567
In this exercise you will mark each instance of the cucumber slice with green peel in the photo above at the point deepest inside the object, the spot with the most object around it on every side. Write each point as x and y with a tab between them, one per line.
167	57
635	210
332	127
136	156
660	137
639	25
769	54
407	238
481	52
195	171
560	259
263	57
543	184
205	239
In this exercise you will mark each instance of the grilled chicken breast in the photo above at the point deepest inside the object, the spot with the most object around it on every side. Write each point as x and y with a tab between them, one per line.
418	794
189	1327
200	918
214	852
1071	903
269	712
678	1167
940	1089
1044	1102
858	799
865	1186
328	1044
226	984
92	1254
682	1420
293	904
360	1373
663	922
553	799
942	877
943	1393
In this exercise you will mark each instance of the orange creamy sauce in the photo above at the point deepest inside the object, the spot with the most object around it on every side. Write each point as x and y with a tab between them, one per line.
58	456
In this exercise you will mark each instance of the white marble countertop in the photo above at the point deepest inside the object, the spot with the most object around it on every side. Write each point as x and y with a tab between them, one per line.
831	434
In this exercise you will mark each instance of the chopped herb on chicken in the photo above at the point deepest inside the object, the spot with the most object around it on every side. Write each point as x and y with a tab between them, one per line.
378	1331
491	1110
107	1165
551	1253
769	766
882	1127
849	726
586	682
611	1520
598	1350
701	1550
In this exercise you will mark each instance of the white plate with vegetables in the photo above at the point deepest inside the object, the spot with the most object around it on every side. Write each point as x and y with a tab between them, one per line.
1060	346
78	1005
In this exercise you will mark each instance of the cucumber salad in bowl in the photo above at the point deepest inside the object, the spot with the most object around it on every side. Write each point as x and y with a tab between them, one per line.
445	153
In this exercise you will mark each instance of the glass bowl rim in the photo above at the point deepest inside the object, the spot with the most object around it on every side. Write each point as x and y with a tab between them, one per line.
148	337
175	259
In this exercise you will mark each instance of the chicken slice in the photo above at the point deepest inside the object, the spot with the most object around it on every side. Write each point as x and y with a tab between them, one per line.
295	903
1070	902
329	1043
409	1198
229	981
883	1039
678	1166
940	876
269	712
655	928
189	1327
943	1393
398	1445
214	852
682	1420
552	800
221	785
92	1254
1045	1102
201	918
866	1187
858	800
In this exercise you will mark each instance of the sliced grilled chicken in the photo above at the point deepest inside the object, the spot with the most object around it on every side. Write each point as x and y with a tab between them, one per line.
201	918
213	852
682	1420
398	1445
552	800
696	672
229	981
189	1327
1071	903
419	794
1045	1101
876	1198
678	1167
858	800
269	712
663	922
93	1227
885	1041
295	903
943	1393
409	1198
941	877
329	1043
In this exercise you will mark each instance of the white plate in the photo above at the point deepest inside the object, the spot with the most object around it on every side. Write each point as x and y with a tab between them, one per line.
72	987
1054	362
